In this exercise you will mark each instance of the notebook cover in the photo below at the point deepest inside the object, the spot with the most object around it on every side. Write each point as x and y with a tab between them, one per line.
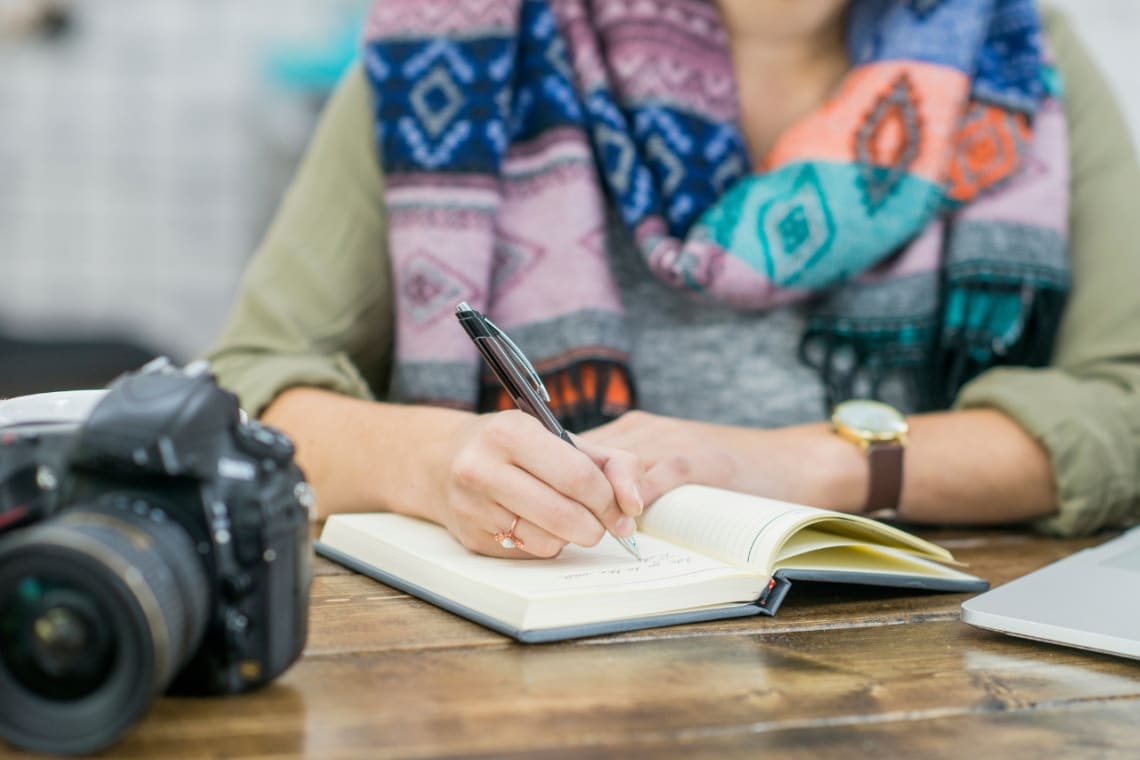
870	578
769	605
561	633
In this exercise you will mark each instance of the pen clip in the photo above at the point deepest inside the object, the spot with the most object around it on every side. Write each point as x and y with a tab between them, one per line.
524	362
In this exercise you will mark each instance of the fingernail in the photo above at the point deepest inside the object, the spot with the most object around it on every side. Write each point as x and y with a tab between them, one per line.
624	527
640	503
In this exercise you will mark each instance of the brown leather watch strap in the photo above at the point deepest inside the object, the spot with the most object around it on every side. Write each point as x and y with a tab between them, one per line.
886	471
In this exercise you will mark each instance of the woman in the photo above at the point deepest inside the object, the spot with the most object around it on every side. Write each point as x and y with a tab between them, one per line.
707	223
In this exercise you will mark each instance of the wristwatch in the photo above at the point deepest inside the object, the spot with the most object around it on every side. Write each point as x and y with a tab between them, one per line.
880	430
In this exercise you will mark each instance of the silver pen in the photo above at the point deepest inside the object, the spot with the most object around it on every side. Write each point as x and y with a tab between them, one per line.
518	377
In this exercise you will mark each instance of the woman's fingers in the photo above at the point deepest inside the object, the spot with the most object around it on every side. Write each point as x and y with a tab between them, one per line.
515	463
529	541
584	476
537	502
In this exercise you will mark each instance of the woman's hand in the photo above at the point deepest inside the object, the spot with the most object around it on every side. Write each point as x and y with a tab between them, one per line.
675	451
507	464
780	463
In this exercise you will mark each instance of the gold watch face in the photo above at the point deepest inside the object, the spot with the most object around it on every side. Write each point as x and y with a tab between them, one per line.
870	420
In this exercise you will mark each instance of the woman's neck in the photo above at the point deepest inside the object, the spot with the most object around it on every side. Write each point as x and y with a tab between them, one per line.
788	27
788	56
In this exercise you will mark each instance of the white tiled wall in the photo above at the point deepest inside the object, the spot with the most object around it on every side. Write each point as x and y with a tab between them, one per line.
139	160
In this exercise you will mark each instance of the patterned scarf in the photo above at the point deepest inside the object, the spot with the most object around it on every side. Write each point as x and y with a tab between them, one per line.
921	212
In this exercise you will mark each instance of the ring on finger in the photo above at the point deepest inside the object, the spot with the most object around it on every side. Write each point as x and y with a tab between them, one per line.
507	539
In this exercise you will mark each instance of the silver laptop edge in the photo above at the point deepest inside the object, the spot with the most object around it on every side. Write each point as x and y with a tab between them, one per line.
1085	600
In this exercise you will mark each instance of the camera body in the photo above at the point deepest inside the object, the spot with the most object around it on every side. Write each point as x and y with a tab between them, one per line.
160	543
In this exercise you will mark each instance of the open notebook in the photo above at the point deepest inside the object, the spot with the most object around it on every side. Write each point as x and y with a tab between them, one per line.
707	554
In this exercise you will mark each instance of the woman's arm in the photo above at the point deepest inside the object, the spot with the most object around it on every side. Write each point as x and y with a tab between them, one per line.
1085	409
967	467
314	306
470	473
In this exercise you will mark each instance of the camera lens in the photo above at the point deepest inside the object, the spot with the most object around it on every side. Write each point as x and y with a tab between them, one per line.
99	609
55	639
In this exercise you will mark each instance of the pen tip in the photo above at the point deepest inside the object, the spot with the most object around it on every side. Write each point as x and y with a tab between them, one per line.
631	544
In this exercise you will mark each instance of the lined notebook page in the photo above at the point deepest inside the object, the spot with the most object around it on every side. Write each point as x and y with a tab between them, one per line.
750	530
733	527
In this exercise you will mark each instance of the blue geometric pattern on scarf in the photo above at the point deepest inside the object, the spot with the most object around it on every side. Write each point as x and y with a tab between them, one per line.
439	105
1009	65
544	95
456	104
443	104
887	30
691	176
1005	67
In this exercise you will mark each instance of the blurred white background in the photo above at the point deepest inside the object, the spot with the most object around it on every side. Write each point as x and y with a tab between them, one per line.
1111	30
144	148
142	151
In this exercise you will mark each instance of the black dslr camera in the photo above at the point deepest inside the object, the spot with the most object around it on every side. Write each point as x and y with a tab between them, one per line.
160	543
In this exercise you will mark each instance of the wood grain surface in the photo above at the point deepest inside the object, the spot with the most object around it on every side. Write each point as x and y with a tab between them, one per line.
840	671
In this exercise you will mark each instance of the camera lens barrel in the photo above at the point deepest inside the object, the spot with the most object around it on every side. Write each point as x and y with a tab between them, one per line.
99	609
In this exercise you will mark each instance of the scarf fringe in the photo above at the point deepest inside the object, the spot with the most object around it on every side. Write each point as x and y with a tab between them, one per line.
985	324
965	351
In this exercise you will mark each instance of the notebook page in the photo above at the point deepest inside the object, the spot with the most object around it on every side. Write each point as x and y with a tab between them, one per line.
883	560
808	539
425	554
733	527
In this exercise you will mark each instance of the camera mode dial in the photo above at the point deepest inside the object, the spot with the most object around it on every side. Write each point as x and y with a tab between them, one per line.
264	442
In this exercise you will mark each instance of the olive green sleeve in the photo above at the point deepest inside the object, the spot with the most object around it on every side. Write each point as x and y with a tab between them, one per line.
1085	408
314	307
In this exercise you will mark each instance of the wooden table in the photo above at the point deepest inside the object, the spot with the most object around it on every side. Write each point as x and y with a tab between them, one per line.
839	672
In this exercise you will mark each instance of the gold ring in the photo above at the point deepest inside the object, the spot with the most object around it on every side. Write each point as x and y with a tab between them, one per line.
507	539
